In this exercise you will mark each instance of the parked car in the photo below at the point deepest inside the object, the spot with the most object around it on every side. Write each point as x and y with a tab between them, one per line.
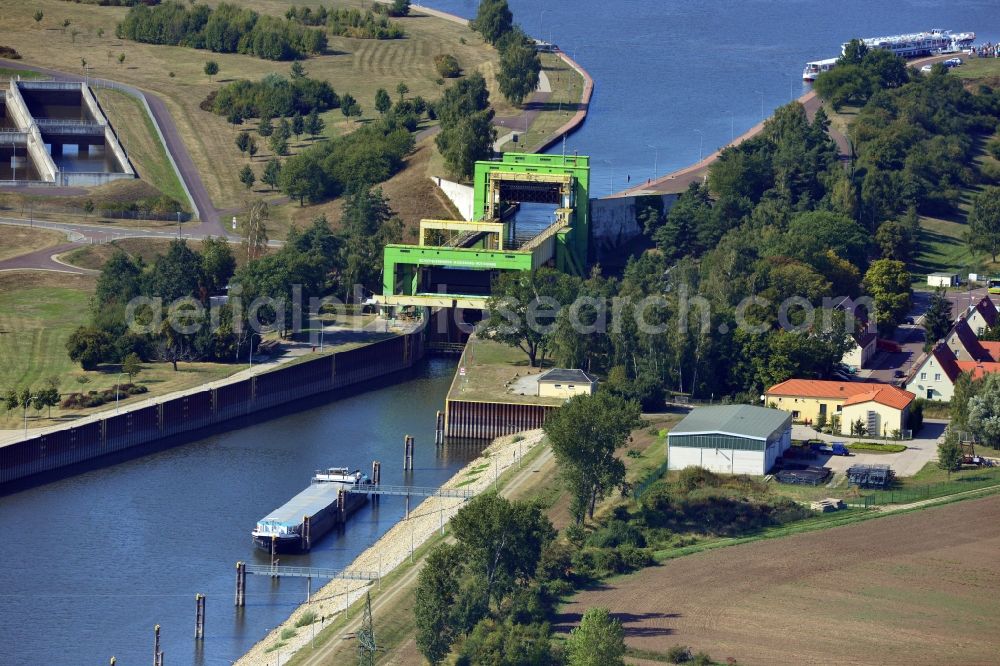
926	68
835	449
952	62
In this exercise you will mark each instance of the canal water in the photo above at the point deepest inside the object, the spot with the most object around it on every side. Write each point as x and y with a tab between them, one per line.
677	79
92	562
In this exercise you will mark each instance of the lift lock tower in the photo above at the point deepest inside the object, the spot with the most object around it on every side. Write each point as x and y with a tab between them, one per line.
529	211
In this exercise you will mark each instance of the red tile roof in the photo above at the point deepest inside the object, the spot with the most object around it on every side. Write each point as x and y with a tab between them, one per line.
977	370
992	348
853	393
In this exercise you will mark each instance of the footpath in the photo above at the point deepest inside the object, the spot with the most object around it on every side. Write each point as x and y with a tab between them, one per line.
393	549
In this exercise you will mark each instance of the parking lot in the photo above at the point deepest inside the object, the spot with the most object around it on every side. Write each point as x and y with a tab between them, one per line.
919	451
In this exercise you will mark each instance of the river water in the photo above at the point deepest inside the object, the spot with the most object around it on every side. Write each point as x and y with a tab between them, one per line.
677	79
92	562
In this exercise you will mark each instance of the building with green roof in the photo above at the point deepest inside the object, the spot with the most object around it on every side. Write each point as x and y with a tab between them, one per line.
730	439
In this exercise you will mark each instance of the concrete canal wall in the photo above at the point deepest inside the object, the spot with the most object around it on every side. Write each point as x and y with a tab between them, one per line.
174	420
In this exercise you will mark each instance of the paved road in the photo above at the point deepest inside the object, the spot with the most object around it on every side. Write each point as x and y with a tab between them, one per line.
207	212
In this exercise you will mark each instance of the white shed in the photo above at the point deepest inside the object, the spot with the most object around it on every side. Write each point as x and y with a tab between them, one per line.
942	280
730	439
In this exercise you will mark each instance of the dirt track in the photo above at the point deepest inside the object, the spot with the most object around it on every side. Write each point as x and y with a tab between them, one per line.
919	588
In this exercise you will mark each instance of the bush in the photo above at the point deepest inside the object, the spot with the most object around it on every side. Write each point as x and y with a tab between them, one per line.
702	659
98	398
989	172
9	53
679	654
447	65
306	619
617	533
287	633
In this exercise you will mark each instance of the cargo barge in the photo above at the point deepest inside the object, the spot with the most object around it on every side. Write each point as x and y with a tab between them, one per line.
333	495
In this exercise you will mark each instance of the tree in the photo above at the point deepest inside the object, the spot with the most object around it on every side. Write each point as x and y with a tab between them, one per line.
493	20
176	274
854	52
382	101
501	542
39	15
252	148
298	125
234	117
519	67
399	8
217	264
984	411
888	283
298	71
243	141
894	240
132	366
211	68
937	319
272	173
467	142
523	307
88	346
65	24
284	130
984	222
247	177
401	90
950	452
585	433
264	127
369	224
349	106
314	124
302	177
279	145
121	58
254	229
598	641
437	589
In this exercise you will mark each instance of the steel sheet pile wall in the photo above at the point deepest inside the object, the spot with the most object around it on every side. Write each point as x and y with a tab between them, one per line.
120	432
488	420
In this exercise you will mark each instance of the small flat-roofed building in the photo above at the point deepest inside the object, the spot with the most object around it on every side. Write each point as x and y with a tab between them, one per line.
730	439
942	280
562	383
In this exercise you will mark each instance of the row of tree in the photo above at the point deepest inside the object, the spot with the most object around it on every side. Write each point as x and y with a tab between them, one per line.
520	65
351	22
228	28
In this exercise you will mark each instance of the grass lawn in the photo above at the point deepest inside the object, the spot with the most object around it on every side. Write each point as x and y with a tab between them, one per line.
8	74
142	144
95	256
38	312
490	367
15	241
978	68
35	203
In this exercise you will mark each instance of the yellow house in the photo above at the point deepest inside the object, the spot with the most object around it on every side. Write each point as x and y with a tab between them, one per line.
560	383
882	408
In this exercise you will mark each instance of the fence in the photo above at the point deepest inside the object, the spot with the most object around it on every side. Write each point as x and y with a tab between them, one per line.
984	478
647	482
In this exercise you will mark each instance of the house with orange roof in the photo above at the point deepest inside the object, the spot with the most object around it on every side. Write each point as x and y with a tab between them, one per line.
982	316
882	408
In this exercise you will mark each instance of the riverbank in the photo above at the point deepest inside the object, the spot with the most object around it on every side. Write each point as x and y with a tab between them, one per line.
392	550
679	180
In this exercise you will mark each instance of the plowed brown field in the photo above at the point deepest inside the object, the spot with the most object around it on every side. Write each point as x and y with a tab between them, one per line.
918	588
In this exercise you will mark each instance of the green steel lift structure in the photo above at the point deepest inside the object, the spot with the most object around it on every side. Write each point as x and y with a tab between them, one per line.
455	262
